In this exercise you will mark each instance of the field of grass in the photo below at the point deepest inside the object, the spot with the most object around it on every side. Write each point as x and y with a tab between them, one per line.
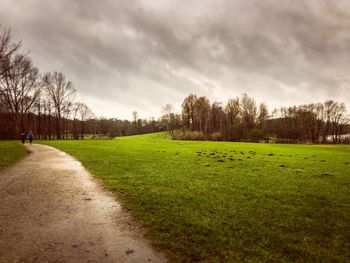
220	201
10	152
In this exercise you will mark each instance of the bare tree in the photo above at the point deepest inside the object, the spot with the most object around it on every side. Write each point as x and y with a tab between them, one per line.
30	87
334	120
263	115
188	108
85	115
338	120
135	116
7	50
248	111
60	92
75	111
19	88
167	109
232	110
49	108
169	116
217	117
66	114
201	114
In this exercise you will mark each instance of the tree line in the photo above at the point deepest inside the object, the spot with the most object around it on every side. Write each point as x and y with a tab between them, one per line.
45	103
242	119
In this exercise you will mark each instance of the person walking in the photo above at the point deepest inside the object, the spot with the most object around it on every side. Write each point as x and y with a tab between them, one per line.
23	137
30	136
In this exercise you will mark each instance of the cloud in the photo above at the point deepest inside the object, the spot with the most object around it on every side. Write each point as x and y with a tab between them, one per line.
143	54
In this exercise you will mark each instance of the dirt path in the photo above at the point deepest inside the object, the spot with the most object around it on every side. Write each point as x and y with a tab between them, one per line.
53	210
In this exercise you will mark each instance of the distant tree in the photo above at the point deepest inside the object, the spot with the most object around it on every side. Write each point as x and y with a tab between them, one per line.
169	117
327	121
167	110
217	117
201	114
60	92
232	111
306	120
7	51
86	114
135	116
19	89
338	121
248	112
188	110
49	109
46	117
263	115
66	115
75	111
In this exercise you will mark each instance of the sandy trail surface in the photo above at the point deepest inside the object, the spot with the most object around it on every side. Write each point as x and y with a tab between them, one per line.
53	210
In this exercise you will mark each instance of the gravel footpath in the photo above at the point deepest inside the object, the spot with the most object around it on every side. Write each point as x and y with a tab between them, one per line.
53	210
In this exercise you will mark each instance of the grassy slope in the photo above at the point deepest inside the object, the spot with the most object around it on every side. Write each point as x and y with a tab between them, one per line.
282	203
10	152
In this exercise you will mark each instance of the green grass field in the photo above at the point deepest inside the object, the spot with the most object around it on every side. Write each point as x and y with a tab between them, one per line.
234	202
10	152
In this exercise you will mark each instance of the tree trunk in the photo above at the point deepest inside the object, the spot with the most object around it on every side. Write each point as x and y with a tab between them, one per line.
58	126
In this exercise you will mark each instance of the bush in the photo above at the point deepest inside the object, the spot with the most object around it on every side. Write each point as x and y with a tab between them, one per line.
346	140
216	136
272	138
255	135
196	136
288	141
188	135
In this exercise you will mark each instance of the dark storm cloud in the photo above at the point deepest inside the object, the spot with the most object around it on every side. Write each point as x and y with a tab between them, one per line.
125	55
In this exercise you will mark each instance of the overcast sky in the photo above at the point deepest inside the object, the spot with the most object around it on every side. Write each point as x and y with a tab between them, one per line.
139	55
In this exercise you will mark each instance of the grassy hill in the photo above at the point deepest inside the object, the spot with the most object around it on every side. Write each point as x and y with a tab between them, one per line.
221	201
